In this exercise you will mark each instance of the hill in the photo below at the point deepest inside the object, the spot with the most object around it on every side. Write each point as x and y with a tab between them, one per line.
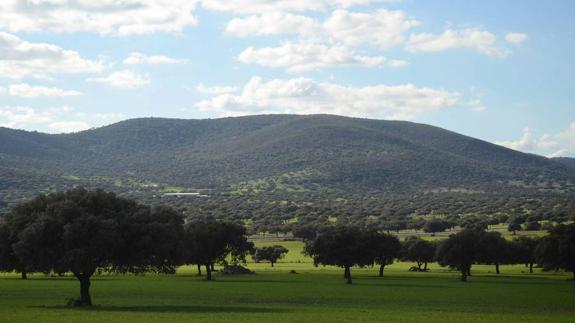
283	156
565	161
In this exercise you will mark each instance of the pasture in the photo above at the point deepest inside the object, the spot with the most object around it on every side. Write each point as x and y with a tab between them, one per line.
311	295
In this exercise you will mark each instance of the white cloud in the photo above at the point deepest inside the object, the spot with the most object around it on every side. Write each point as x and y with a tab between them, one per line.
302	57
381	28
201	88
106	17
305	96
30	91
272	23
22	59
19	115
481	41
52	119
138	58
258	6
476	105
551	145
516	38
68	126
125	79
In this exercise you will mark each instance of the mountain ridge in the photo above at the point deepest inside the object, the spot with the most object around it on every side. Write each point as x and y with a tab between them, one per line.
335	153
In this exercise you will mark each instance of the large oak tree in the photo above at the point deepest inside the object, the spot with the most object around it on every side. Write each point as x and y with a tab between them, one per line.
342	246
82	231
209	241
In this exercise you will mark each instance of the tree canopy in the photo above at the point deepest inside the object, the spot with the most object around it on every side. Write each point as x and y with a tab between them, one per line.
557	250
386	249
209	241
418	250
342	246
82	231
460	251
269	253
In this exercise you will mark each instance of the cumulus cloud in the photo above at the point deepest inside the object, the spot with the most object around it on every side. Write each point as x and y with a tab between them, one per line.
22	116
257	6
381	28
550	145
516	38
30	91
479	40
52	119
302	57
136	58
306	96
106	17
124	79
272	23
218	89
22	59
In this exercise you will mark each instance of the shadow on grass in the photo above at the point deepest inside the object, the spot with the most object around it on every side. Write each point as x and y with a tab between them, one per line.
171	309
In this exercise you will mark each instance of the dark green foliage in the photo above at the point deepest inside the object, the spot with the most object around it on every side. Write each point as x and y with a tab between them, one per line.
305	232
557	250
514	227
386	248
523	251
81	231
288	158
494	250
434	225
418	250
8	261
209	241
342	246
460	251
532	226
269	253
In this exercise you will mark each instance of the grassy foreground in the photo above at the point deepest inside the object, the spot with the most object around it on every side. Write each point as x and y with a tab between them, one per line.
311	295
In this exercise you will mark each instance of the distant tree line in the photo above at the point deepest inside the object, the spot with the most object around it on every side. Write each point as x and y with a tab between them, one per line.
85	232
347	247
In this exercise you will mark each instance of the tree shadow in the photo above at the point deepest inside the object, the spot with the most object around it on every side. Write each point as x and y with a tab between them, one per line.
171	309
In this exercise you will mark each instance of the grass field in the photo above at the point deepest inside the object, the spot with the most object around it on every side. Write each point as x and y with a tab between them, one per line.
311	295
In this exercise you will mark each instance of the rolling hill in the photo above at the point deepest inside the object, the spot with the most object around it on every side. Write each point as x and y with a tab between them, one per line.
269	153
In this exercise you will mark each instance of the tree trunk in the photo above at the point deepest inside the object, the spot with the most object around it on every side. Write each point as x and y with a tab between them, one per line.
199	270
531	268
497	269
425	267
469	271
418	266
85	298
208	272
381	268
347	275
84	278
24	275
272	263
464	275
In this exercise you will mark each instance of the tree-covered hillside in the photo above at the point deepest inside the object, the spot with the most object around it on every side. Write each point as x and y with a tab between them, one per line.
273	158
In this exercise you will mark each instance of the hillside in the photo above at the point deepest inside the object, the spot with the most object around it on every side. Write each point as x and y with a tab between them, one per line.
272	154
565	161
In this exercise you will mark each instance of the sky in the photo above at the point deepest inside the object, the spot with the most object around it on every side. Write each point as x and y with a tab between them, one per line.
501	71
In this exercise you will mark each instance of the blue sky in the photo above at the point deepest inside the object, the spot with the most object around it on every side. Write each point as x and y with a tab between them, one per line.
501	71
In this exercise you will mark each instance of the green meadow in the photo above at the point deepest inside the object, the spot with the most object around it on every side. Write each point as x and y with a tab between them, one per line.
312	294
